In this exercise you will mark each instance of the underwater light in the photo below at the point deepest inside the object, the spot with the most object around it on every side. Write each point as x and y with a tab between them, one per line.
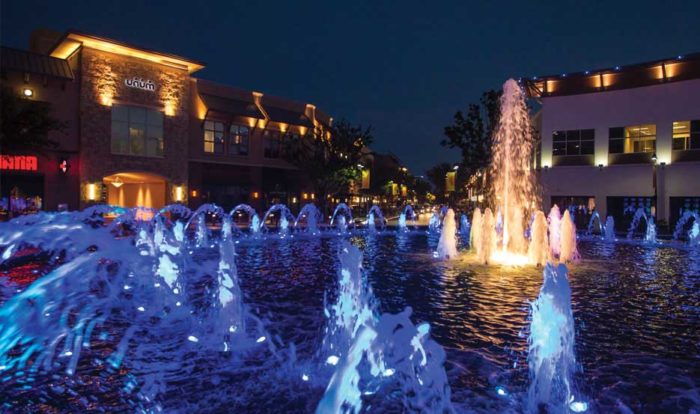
578	406
500	390
333	360
192	338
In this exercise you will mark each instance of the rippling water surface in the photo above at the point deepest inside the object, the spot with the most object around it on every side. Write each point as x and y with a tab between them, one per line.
637	313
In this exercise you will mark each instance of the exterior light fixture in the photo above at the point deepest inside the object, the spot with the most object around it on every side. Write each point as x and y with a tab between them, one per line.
63	166
194	193
117	182
617	68
27	92
653	158
456	167
179	193
360	166
91	192
256	195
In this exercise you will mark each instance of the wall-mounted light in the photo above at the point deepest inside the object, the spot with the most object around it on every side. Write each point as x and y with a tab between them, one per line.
27	92
653	158
194	193
179	193
91	192
63	166
117	182
313	196
256	195
294	200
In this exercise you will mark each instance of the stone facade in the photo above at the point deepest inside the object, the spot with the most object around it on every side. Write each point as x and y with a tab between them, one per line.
102	77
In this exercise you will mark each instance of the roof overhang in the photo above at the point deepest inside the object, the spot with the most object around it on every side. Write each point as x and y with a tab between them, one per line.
73	40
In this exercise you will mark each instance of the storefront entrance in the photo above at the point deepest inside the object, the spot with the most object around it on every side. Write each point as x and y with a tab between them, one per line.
134	189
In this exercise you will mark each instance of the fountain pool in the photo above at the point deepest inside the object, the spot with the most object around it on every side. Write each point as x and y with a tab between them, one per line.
635	309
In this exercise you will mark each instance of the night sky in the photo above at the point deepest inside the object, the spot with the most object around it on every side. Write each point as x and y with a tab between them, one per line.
403	67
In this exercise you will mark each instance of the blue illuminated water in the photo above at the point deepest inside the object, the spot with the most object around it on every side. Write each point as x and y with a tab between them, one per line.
636	313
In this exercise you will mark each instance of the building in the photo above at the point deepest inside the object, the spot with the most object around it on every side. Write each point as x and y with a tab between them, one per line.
142	130
617	139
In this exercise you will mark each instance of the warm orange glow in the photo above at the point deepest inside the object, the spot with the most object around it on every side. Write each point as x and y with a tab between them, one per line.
179	193
283	127
73	41
509	259
256	195
313	196
194	193
608	79
91	192
550	86
169	109
304	196
673	69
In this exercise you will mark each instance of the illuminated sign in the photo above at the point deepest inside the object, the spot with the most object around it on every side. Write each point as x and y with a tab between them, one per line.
18	162
139	83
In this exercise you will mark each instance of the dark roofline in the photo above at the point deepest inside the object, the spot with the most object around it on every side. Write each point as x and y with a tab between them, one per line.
624	70
60	62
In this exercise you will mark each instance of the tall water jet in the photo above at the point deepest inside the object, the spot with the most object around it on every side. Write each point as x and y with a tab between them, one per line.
476	233
595	218
694	234
402	222
434	223
488	237
464	227
447	246
568	251
538	250
375	213
551	358
554	220
609	229
513	181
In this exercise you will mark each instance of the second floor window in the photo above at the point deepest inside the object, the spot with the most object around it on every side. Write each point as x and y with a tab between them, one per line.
240	136
631	139
213	137
573	142
137	131
686	135
272	143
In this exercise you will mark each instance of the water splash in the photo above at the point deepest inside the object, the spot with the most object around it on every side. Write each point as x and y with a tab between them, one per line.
447	246
568	251
686	218
595	219
475	235
434	223
464	227
551	358
311	215
554	220
649	233
344	215
285	216
538	250
609	229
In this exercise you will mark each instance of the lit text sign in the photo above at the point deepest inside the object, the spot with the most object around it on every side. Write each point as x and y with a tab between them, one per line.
18	162
139	83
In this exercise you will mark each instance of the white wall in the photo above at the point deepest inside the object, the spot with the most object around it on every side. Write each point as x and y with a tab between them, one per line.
659	104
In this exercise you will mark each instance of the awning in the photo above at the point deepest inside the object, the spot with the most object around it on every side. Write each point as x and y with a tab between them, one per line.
287	116
23	61
230	106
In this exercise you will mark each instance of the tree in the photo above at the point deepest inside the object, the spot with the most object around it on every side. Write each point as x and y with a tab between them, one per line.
436	175
472	134
25	124
330	158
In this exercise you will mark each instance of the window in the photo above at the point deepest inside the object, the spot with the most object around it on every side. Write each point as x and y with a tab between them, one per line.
631	139
686	135
271	141
573	142
213	137
239	140
137	131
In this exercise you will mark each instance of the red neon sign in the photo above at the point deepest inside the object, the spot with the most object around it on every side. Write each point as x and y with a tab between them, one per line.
18	162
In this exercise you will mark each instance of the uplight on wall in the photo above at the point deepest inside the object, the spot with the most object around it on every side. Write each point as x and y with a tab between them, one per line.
256	195
91	192
179	193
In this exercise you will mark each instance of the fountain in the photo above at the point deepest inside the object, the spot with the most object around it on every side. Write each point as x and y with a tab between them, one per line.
568	251
649	233
374	213
686	218
538	250
343	218
595	218
554	220
434	223
407	213
312	216
285	216
488	237
551	358
447	246
475	233
609	229
253	221
464	228
372	351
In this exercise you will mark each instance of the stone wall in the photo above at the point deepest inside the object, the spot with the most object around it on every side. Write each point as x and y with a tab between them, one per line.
102	77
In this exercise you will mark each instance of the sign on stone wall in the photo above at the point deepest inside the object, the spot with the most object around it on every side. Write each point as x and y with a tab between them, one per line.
18	162
139	83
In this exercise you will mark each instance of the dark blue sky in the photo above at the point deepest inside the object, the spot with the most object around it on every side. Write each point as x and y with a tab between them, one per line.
404	67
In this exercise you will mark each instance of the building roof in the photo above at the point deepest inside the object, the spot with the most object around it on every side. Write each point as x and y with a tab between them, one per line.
679	68
28	62
73	39
231	106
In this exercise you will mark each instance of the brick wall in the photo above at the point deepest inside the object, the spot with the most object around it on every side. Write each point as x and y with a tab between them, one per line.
102	77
